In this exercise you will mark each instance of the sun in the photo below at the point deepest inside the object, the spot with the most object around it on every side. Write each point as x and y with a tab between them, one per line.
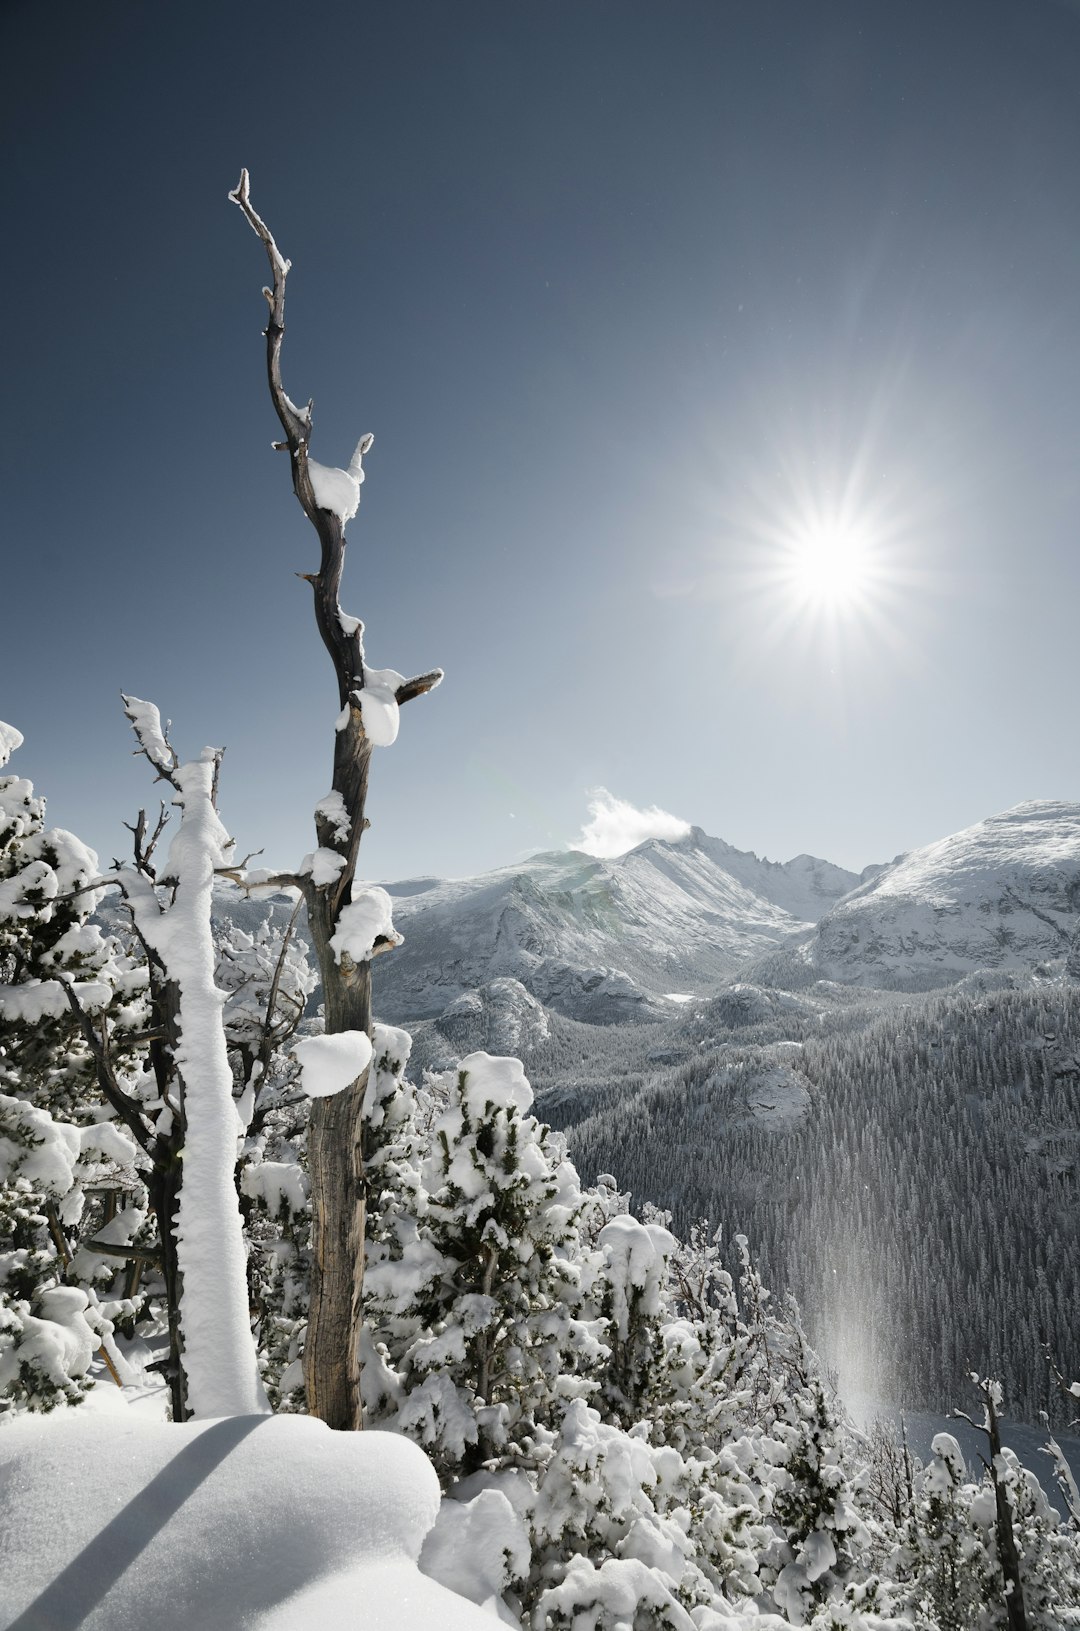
829	565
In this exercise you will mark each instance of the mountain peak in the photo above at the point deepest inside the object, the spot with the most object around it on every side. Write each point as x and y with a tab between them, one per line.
1001	894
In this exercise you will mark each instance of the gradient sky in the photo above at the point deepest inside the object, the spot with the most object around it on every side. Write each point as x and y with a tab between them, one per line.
626	292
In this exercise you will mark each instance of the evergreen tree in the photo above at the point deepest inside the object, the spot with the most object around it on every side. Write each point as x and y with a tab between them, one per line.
474	1271
70	1189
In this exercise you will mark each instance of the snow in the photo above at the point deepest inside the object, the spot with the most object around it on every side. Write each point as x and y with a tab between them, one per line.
146	723
999	895
491	1084
949	1458
617	1592
57	1339
335	490
219	1354
111	1142
45	1151
339	490
10	739
255	1523
367	918
36	1000
330	1063
259	884
324	866
63	864
637	1255
282	1186
332	809
477	1548
379	705
817	1554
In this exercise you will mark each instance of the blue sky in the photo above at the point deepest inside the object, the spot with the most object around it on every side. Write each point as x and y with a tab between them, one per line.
630	294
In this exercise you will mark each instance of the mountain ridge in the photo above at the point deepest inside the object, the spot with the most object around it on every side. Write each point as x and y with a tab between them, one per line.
601	939
609	940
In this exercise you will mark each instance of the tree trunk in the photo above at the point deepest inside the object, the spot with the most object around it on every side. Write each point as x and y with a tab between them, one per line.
163	1188
335	1167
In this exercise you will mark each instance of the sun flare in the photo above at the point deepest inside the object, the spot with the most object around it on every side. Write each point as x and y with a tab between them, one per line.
829	566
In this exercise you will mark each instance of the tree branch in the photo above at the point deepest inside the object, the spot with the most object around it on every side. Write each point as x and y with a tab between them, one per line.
266	1044
153	739
419	686
105	1248
295	422
125	1107
272	880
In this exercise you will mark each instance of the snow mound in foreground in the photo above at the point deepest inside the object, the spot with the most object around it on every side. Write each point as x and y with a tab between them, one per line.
267	1522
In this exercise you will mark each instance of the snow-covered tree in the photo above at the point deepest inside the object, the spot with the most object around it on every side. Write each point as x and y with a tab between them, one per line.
665	1450
64	1165
219	1357
117	1086
985	1550
50	1328
475	1267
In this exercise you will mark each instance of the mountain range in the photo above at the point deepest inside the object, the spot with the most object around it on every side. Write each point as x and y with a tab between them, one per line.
612	940
600	940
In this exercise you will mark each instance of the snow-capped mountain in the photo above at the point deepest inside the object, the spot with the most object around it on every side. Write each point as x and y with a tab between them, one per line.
1003	894
805	886
600	940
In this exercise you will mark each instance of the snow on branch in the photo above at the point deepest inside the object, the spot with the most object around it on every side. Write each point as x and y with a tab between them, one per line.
329	1064
152	736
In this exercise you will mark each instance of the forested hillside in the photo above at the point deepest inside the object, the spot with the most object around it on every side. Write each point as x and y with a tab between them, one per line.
924	1205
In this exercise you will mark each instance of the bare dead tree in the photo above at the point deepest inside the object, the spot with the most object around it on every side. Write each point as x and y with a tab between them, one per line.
331	1352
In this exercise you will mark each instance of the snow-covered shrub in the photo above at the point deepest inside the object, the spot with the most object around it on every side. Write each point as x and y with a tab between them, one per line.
46	1340
63	1162
664	1439
268	978
275	1205
475	1278
634	1302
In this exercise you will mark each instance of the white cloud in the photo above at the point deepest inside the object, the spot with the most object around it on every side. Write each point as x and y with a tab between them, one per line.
614	826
